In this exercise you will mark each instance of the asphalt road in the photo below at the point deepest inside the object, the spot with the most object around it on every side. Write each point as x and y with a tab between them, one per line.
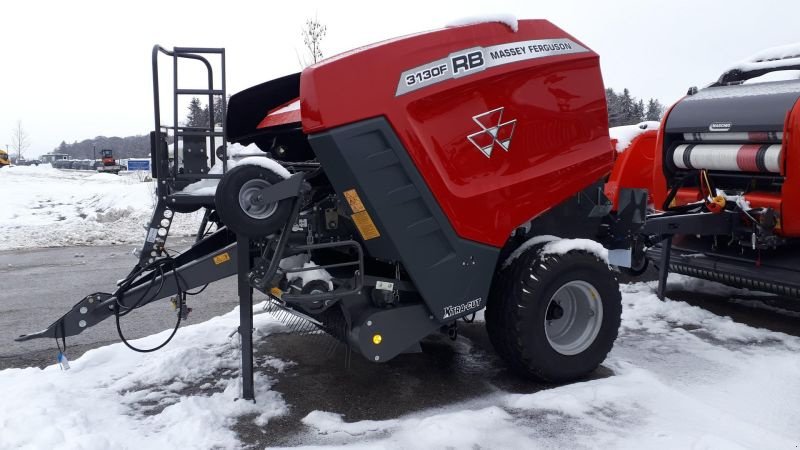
40	285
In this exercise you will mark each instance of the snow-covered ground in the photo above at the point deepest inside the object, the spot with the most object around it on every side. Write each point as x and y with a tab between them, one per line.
46	207
682	378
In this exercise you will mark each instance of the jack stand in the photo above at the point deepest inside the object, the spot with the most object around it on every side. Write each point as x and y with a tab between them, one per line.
244	263
663	268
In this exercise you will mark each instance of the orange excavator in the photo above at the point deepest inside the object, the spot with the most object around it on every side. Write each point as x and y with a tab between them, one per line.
108	163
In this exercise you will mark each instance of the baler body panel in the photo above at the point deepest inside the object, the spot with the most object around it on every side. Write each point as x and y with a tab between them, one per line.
497	145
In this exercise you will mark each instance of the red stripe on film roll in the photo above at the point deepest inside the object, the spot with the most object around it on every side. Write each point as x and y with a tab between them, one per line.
746	158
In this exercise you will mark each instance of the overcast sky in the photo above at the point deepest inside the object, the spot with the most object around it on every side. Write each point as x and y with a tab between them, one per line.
71	70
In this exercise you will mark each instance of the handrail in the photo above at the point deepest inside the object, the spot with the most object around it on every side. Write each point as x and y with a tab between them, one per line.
187	53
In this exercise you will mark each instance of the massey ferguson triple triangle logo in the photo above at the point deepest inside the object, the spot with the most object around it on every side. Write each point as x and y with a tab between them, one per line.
494	132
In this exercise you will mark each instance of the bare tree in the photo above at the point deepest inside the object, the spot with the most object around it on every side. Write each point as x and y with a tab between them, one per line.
19	139
312	33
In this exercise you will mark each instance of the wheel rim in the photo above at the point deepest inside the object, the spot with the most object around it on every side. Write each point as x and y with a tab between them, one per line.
251	200
573	319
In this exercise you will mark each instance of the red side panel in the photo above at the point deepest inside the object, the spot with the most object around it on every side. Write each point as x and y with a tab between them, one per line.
634	167
790	191
658	186
497	145
285	114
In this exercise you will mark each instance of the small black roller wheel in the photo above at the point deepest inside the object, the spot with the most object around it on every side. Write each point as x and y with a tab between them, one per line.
241	205
554	318
639	261
316	287
185	209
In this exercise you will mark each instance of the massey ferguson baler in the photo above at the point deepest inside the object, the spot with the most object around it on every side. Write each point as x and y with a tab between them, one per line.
417	181
723	175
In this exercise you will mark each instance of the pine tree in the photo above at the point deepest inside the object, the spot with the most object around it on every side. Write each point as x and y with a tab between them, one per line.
627	107
638	112
614	108
198	115
219	117
654	110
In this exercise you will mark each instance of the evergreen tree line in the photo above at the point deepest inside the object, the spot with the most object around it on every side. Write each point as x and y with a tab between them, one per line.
625	109
123	147
198	114
138	146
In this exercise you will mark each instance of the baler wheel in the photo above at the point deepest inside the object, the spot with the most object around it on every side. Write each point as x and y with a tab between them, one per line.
240	204
185	209
554	318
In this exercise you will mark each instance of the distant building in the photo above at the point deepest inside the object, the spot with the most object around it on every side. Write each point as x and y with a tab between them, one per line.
49	158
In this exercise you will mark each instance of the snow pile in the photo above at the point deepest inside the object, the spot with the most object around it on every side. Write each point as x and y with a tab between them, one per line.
554	245
627	133
783	75
682	378
239	151
184	396
774	57
536	240
238	156
564	246
46	207
778	52
326	422
508	20
302	262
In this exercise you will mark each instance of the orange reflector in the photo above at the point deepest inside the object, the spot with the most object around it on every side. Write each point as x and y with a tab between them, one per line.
365	225
222	258
354	201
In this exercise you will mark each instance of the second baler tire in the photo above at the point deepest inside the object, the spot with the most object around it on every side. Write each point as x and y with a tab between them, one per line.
517	308
185	209
231	214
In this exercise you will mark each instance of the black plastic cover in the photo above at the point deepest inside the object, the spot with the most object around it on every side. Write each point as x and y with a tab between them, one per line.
246	109
742	108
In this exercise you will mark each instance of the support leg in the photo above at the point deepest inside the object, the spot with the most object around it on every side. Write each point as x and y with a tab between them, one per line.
663	268
245	316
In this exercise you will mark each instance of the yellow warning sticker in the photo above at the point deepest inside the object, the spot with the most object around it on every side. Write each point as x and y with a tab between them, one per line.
222	258
354	200
365	225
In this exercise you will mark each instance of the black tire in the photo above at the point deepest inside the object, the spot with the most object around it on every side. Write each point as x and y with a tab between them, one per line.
237	219
184	209
637	270
517	313
315	287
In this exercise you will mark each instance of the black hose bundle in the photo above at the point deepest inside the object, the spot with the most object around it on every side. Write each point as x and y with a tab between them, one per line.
162	266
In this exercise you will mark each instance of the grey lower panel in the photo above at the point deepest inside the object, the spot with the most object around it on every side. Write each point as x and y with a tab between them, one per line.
399	328
452	274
